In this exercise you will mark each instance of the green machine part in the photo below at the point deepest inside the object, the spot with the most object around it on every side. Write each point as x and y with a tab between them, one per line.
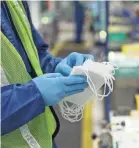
117	37
126	72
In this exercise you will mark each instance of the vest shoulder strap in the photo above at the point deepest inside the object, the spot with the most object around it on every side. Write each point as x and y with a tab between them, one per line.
23	29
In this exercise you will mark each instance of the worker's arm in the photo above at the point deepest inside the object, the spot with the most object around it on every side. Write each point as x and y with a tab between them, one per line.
19	105
48	62
22	103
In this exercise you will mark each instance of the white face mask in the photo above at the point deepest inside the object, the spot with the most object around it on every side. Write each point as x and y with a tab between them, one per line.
98	74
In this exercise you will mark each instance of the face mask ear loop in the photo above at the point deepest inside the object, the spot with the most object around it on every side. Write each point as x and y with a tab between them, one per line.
112	77
76	118
92	86
71	107
110	81
107	82
90	83
111	84
67	112
102	96
66	116
115	66
64	108
73	113
70	110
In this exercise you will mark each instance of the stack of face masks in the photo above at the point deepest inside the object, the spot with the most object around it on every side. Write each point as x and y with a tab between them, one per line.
98	75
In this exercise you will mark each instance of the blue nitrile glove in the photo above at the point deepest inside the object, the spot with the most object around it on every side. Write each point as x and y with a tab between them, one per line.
73	59
54	87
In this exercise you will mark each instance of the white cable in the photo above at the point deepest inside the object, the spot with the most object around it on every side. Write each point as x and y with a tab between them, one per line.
73	112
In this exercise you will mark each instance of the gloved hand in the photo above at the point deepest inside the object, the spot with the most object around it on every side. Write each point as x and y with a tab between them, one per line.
54	87
74	59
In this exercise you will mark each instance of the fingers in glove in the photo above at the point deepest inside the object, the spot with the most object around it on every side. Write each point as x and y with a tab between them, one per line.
69	88
74	92
53	75
73	80
66	70
88	56
79	60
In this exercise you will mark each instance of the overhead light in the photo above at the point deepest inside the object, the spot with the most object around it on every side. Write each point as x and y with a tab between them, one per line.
102	34
45	20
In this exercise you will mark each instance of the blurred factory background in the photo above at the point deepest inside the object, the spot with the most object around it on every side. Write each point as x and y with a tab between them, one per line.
110	31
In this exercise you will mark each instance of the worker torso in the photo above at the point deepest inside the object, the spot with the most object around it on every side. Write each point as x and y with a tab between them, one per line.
14	63
9	30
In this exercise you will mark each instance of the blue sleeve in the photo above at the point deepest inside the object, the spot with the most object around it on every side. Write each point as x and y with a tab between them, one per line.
19	105
48	62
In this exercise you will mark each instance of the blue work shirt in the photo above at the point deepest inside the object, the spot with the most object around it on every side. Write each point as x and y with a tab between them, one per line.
20	103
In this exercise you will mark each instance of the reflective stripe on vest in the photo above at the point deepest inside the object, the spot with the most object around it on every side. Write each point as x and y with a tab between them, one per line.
22	26
4	80
29	137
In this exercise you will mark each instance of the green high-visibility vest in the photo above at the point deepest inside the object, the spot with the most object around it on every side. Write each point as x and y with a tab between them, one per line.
38	132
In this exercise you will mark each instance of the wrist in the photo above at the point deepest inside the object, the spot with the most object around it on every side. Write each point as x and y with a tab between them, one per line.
36	82
52	65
